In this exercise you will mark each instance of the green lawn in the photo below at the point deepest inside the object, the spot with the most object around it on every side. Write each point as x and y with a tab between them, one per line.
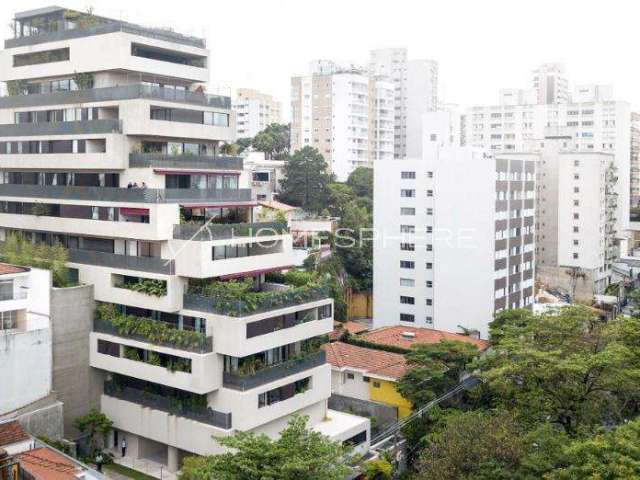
128	472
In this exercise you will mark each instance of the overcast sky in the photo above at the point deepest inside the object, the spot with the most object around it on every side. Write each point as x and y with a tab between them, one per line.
481	45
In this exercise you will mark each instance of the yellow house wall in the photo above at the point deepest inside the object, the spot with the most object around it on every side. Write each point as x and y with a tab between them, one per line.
388	395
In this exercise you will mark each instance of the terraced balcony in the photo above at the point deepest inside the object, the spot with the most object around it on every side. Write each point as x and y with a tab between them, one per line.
220	231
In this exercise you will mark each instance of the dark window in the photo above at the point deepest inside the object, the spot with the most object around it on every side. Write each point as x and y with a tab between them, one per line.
108	348
35	58
407	317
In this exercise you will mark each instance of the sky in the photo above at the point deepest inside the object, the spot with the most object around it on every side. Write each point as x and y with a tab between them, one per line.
481	45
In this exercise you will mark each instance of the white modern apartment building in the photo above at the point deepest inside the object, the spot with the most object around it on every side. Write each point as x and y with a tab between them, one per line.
635	159
344	113
265	175
594	121
109	145
255	110
415	86
454	238
25	337
575	221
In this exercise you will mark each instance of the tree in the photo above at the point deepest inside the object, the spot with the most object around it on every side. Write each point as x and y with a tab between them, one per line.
273	141
378	469
341	195
229	149
565	366
435	369
19	251
516	317
306	182
361	181
354	245
473	445
94	423
607	455
298	453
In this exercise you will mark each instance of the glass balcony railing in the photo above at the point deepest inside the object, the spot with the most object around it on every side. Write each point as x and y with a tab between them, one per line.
124	92
160	160
173	406
217	231
137	195
61	128
127	262
271	374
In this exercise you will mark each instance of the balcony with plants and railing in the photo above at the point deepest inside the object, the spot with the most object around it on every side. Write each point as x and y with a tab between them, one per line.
111	321
252	372
184	160
219	231
166	399
239	298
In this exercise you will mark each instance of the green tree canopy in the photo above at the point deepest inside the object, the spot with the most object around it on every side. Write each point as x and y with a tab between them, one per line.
354	245
566	366
94	423
435	369
19	251
361	181
306	182
298	453
273	141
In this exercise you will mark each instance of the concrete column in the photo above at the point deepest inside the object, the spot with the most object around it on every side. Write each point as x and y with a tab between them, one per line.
172	459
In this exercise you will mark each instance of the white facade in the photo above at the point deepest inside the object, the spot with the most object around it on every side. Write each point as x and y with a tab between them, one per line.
594	122
25	337
454	238
254	112
344	113
123	169
415	85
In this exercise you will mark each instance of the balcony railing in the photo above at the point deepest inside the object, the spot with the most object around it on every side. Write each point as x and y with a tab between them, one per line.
274	373
19	295
61	128
125	92
205	345
159	160
126	262
169	405
218	231
269	301
126	195
102	29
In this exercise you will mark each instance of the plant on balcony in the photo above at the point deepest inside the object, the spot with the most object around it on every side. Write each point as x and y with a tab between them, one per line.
297	278
83	20
84	80
179	365
16	87
131	353
152	330
249	367
153	358
148	286
40	209
17	250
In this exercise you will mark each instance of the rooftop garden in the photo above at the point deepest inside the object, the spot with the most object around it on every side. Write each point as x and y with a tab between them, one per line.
243	297
149	330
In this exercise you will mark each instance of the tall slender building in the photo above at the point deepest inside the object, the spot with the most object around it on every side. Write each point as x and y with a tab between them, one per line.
109	146
344	113
254	111
415	85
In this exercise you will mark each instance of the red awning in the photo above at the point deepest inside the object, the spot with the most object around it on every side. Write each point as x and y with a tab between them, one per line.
254	272
134	211
168	171
218	205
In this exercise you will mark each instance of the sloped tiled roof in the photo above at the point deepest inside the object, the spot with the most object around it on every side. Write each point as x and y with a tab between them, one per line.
12	432
276	205
352	327
395	336
46	464
373	362
6	269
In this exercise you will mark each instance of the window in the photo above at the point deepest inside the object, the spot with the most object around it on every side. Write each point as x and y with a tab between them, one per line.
376	384
407	211
407	300
429	265
283	393
408	175
6	290
407	282
8	320
429	302
429	229
576	229
429	284
407	317
429	211
407	264
108	348
429	193
407	229
356	439
576	216
428	320
365	379
575	255
407	193
350	376
35	58
408	247
429	174
429	247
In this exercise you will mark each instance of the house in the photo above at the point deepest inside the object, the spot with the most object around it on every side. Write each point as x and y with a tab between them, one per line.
405	337
367	374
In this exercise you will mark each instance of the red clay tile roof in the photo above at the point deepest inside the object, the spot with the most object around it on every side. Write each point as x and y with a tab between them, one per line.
12	432
352	327
45	464
6	269
394	336
373	362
